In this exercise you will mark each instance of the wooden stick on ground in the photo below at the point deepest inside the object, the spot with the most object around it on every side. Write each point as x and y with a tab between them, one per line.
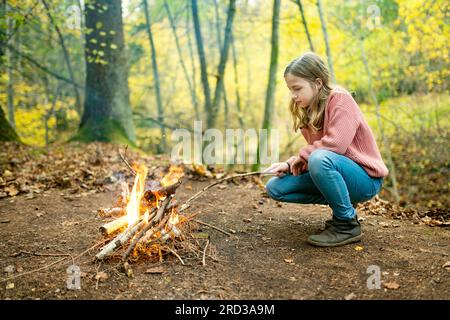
211	226
204	253
176	255
195	196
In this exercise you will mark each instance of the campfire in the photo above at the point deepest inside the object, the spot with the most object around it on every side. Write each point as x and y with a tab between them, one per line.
145	220
149	221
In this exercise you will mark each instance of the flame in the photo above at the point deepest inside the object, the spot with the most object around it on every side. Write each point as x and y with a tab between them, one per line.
146	216
136	194
175	174
159	198
174	218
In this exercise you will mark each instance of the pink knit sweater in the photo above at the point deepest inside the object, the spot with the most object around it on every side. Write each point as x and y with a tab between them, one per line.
346	132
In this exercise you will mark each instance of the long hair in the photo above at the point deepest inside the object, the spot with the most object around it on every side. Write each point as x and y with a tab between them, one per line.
310	67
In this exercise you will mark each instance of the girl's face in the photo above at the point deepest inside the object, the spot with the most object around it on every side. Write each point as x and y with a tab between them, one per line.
302	91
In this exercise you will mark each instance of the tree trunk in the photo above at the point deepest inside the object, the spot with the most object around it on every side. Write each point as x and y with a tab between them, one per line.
219	41
380	124
7	132
161	148
202	59
66	57
180	57
236	80
191	55
222	64
107	114
305	24
270	93
10	87
327	43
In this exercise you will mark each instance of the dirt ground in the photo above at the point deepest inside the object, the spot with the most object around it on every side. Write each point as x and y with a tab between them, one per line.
266	257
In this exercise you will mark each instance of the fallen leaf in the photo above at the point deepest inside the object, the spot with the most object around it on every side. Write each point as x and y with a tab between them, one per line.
359	248
289	260
10	286
12	191
155	270
9	269
350	296
7	173
101	276
247	220
391	285
446	266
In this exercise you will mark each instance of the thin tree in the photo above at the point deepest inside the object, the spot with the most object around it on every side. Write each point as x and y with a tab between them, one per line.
270	93
181	60
222	63
163	146
219	41
191	56
236	80
384	138
305	24
202	59
66	56
10	63
326	39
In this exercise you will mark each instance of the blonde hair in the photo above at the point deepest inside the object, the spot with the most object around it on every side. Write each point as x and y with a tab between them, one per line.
310	67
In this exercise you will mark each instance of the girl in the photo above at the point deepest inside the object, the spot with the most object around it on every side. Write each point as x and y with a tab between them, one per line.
340	166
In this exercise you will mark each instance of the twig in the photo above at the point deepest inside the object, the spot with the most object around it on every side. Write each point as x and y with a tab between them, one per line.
126	162
195	196
211	226
54	263
98	278
176	255
39	254
91	248
204	253
33	271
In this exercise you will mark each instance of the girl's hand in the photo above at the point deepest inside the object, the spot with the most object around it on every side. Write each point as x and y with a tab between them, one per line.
299	165
278	168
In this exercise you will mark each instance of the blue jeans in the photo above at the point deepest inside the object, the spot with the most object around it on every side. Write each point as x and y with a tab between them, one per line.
332	179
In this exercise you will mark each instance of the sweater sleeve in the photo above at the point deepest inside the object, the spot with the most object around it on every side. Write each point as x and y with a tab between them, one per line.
339	134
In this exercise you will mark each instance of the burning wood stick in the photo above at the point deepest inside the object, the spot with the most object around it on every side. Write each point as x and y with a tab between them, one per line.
163	192
110	212
151	223
114	225
122	238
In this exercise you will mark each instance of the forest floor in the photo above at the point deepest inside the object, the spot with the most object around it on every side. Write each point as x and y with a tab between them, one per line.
266	256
